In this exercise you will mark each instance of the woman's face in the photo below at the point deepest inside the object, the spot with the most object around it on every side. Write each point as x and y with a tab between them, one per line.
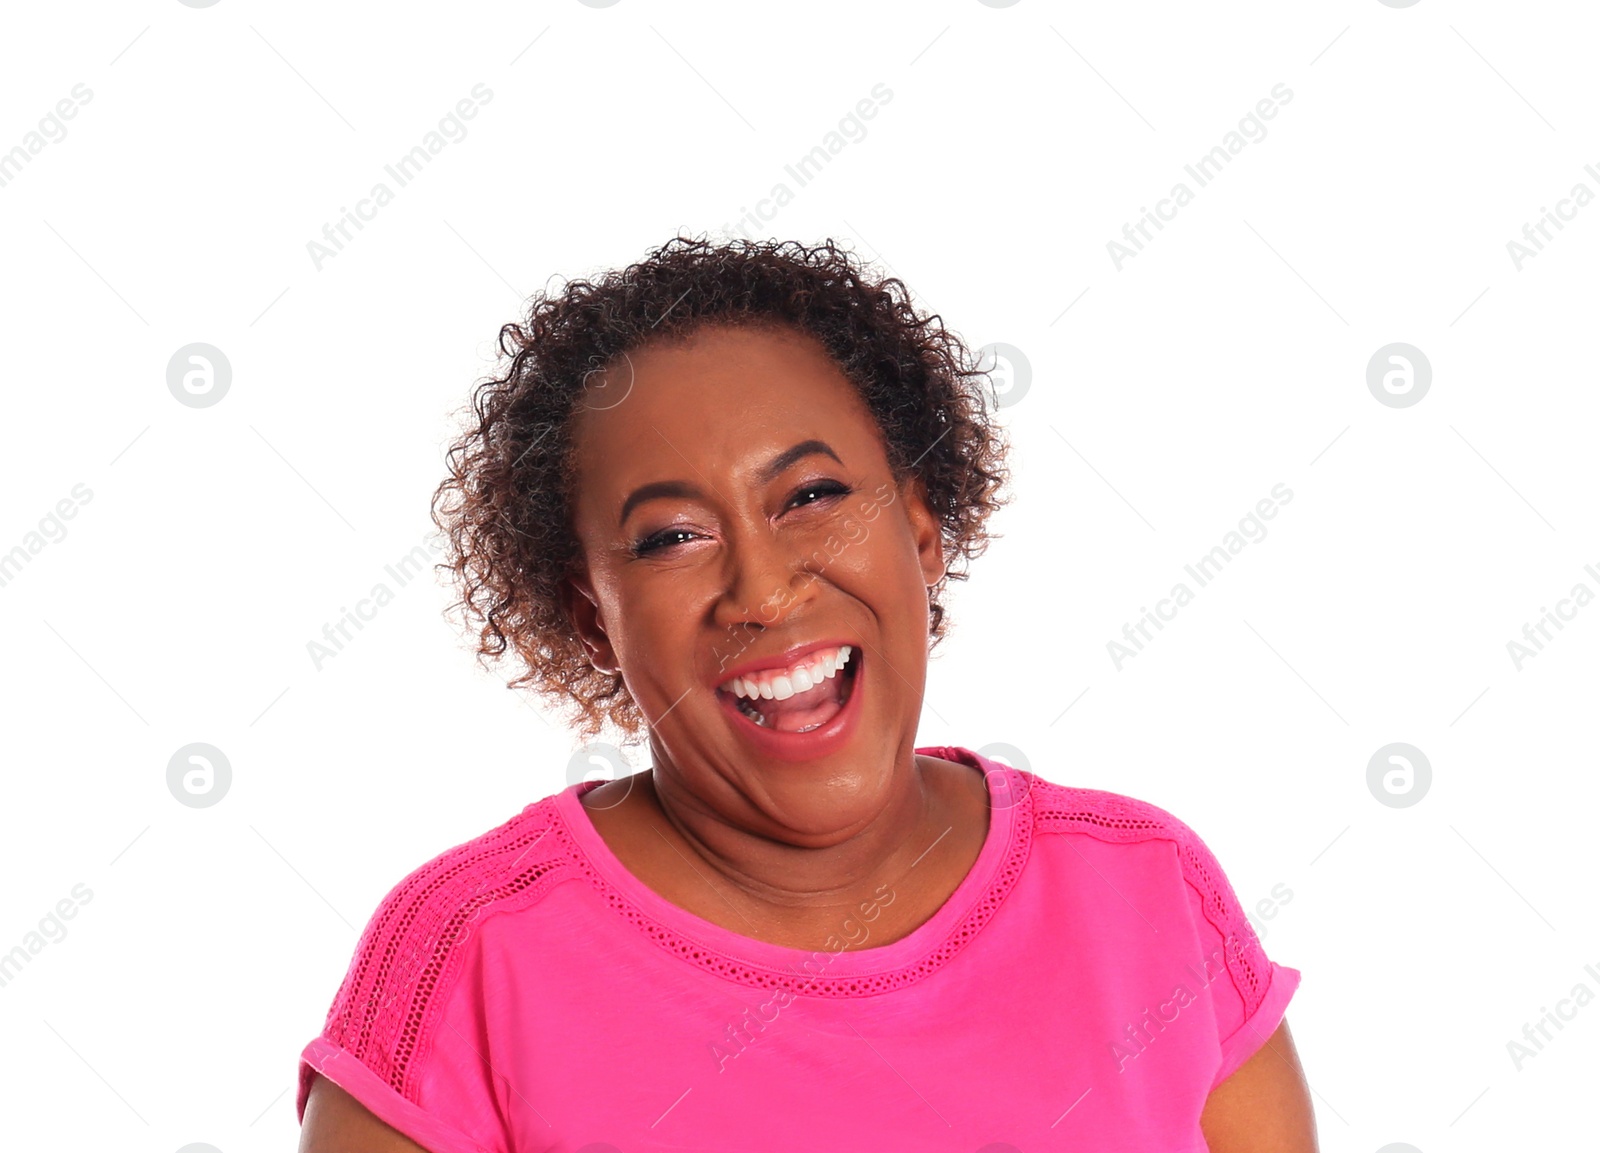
734	504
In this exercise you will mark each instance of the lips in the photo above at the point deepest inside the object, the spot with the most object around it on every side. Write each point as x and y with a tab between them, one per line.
825	736
786	659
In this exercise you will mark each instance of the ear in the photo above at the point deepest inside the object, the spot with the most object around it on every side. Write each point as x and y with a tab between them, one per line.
925	530
583	610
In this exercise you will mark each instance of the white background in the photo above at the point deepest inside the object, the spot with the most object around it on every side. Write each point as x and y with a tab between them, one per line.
1166	398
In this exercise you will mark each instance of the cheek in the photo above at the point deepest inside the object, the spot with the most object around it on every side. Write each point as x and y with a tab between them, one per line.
879	556
647	613
671	599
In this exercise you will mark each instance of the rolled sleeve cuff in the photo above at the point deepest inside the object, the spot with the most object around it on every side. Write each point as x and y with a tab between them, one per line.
1242	1044
345	1070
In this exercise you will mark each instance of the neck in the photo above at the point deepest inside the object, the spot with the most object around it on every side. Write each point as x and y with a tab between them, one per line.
759	877
759	862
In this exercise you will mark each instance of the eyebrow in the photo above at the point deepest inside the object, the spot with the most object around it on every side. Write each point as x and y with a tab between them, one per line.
767	474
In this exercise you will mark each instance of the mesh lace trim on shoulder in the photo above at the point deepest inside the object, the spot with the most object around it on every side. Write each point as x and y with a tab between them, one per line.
817	983
1123	820
411	949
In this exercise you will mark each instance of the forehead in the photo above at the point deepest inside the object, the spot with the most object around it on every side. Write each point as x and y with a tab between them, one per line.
724	401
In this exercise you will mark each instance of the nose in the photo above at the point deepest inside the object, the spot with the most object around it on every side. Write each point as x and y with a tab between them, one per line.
767	577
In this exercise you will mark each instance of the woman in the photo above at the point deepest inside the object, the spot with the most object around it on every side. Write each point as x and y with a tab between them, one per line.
715	500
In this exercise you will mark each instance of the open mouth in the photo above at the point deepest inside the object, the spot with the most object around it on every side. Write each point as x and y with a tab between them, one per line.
801	698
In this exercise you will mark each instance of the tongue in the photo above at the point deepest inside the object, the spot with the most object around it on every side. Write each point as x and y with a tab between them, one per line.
816	706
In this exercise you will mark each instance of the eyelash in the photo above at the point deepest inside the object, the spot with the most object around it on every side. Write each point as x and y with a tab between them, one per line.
649	544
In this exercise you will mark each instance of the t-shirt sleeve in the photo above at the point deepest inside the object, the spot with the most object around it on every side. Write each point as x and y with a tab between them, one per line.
407	1033
1249	992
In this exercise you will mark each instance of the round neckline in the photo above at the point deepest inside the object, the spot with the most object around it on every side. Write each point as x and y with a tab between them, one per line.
762	963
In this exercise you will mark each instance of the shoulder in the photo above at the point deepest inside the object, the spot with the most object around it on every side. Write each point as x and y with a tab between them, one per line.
418	938
432	912
1112	818
1105	816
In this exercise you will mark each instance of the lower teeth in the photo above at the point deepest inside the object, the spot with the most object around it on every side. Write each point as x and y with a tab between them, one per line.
755	715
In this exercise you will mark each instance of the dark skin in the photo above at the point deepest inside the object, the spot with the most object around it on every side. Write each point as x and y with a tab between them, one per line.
779	852
637	828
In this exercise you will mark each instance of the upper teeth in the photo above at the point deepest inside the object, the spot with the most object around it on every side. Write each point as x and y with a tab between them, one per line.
780	684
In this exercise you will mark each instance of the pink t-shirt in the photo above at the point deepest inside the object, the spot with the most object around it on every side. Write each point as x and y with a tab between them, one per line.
1091	980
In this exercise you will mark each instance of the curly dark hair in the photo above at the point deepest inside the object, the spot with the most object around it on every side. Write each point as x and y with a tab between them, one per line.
506	507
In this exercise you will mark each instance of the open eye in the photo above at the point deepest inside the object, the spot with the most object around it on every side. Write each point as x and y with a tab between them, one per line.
655	542
824	487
